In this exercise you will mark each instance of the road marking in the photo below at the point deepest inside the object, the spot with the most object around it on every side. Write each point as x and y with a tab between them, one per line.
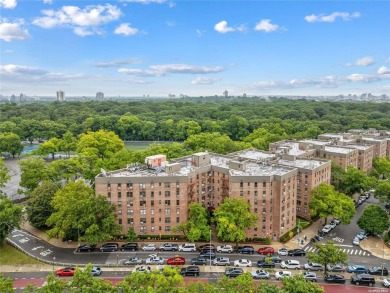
46	252
24	240
343	245
356	252
35	248
17	235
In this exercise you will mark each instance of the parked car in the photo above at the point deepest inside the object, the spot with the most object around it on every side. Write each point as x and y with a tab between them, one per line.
312	266
260	274
198	261
290	264
310	276
142	269
208	254
190	271
336	220
207	247
283	251
233	272
339	279
335	268
242	263
246	249
378	271
86	248
169	247
266	250
155	260
96	271
363	279
177	260
65	272
274	258
187	247
133	261
356	241
221	261
264	264
225	248
332	224
358	269
327	229
109	247
296	252
386	283
130	246
362	235
149	247
279	275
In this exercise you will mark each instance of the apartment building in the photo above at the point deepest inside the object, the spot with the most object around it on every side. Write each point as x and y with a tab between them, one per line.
365	156
154	199
380	144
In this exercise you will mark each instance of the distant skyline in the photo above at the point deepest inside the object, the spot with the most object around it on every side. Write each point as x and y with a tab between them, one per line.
195	48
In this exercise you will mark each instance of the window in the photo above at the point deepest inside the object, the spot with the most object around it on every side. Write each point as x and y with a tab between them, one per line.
142	203
241	193
109	194
119	185
130	203
167	202
255	192
130	221
142	194
142	220
255	184
119	203
142	186
152	211
119	212
241	184
167	184
152	229
177	219
130	212
177	192
142	212
152	220
152	203
152	194
177	202
177	211
119	194
167	228
167	220
108	185
120	221
152	184
142	229
167	211
264	184
129	185
167	193
129	194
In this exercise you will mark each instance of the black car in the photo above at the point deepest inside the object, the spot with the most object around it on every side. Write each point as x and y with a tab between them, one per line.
264	264
334	279
378	271
296	252
246	249
208	254
234	272
273	258
206	247
363	279
129	246
190	271
109	247
199	261
86	248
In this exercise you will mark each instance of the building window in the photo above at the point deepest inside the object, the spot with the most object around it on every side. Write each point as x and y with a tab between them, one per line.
142	186
152	203
142	229
129	185
119	185
177	211
142	194
120	221
152	211
177	202
152	220
264	184
130	212
167	220
119	212
167	193
167	202
142	220
130	203
152	194
255	184
152	229
167	228
241	184
129	194
109	194
241	193
108	185
130	221
119	194
167	211
142	203
167	184
142	212
119	203
152	184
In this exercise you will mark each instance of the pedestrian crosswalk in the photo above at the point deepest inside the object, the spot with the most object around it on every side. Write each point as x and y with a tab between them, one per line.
350	251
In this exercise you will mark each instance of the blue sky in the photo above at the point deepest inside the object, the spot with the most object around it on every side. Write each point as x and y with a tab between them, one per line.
158	47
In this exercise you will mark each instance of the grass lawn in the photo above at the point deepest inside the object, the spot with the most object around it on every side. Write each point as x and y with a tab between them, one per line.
11	256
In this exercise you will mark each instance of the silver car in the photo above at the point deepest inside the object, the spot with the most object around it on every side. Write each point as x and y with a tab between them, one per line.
134	261
155	260
310	276
260	274
149	247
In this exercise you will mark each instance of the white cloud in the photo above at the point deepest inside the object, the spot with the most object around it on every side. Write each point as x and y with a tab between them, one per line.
184	68
126	29
117	63
10	4
365	61
384	70
48	1
79	19
223	28
357	77
265	25
145	1
12	31
12	69
204	80
331	17
139	72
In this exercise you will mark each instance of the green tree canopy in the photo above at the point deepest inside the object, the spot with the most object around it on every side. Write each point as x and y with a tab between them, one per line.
10	143
374	220
381	167
327	201
33	172
10	217
355	180
382	191
196	227
6	284
232	217
328	254
4	173
78	210
49	147
298	284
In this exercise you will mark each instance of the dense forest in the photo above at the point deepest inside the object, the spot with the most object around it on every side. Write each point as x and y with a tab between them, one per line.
255	121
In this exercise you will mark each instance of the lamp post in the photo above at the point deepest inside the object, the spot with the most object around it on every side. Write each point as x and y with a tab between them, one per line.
210	250
383	255
54	259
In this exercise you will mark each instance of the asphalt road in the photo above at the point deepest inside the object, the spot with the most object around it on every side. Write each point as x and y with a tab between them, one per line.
11	188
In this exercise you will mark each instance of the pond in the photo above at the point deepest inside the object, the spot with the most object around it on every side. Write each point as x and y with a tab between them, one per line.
29	148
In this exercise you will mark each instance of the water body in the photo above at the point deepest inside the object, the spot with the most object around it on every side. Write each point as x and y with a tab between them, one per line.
29	148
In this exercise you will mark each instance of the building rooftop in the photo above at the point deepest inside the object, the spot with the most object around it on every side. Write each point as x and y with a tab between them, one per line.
340	150
303	163
359	146
255	155
255	169
374	139
315	142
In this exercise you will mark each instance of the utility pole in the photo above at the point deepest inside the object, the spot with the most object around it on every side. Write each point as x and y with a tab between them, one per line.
210	250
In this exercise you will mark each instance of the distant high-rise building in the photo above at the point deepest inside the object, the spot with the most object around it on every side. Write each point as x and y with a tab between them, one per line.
60	96
226	94
22	97
99	96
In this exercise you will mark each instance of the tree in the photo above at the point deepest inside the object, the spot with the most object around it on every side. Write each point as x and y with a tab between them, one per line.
4	173
6	284
355	180
68	143
382	191
33	172
64	169
49	147
328	254
298	284
337	176
53	284
10	143
374	220
327	201
381	167
39	206
78	210
196	227
233	216
131	235
243	283
10	217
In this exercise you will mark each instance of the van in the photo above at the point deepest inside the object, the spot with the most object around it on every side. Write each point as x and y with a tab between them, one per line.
290	264
363	279
187	247
109	247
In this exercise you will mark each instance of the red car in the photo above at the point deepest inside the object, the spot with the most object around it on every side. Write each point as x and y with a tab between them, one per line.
266	250
177	260
65	272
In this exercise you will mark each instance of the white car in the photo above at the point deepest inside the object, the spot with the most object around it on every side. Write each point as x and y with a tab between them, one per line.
134	261
386	283
279	275
356	241
327	229
242	263
312	266
187	247
142	269
283	251
333	224
225	248
149	247
155	260
260	274
336	220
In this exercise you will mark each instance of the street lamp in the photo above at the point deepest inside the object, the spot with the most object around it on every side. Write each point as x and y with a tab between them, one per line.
210	250
54	259
383	254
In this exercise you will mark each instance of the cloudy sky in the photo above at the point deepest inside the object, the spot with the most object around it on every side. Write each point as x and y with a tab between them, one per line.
161	47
